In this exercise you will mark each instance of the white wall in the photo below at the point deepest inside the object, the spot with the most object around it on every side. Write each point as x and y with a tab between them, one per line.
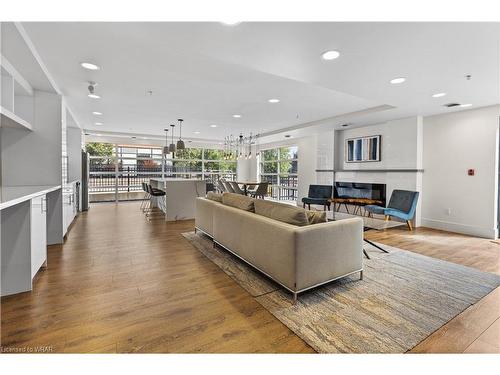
453	143
401	148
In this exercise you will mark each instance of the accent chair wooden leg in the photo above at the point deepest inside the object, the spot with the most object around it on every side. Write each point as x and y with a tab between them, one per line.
324	207
309	206
303	205
328	207
387	218
408	222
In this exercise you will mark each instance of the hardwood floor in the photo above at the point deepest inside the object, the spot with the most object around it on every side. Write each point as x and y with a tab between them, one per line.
122	284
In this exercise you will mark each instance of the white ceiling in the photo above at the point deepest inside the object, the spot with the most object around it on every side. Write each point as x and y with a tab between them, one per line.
206	72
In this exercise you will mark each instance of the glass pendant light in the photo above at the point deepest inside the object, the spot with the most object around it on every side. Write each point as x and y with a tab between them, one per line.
180	142
165	148
171	148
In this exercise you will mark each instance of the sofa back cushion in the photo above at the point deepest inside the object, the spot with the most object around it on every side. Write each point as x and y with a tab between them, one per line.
214	196
238	201
316	217
281	212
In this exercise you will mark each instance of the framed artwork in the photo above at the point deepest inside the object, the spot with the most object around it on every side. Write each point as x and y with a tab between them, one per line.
362	149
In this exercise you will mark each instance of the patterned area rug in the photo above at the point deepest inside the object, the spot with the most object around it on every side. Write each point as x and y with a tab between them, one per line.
403	298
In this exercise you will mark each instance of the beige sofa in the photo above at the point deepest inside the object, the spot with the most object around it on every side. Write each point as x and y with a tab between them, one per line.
297	257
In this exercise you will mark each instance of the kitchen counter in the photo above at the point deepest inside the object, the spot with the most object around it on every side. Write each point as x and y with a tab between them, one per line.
12	195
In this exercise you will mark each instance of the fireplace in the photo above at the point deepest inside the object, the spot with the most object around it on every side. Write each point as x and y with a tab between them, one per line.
353	191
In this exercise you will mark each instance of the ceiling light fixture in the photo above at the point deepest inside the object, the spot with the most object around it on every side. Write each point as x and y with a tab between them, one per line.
465	105
439	95
180	142
330	55
213	126
196	132
273	100
97	113
98	123
89	66
231	23
237	116
166	148
396	81
91	89
171	147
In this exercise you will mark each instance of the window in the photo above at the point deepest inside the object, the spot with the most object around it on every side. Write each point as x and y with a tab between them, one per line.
279	167
117	171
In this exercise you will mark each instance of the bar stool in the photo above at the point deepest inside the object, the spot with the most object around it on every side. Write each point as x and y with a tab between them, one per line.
146	196
160	203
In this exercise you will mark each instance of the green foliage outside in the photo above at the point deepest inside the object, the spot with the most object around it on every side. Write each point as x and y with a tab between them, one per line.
100	149
270	160
194	156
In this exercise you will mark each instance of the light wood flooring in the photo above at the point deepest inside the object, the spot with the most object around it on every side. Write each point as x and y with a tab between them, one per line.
123	284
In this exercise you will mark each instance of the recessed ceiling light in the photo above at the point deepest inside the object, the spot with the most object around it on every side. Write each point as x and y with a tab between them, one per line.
273	100
97	113
465	105
345	125
330	55
213	126
395	81
98	123
89	66
196	132
287	136
94	96
236	116
439	95
231	23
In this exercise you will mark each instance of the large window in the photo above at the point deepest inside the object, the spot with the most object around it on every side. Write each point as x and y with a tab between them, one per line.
117	171
279	167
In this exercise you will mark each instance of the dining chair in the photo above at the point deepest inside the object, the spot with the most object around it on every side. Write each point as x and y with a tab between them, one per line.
228	186
220	186
236	188
261	190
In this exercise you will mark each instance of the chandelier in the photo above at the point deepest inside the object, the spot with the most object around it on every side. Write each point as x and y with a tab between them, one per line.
241	147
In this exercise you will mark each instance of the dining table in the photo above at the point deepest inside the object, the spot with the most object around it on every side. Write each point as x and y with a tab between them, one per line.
246	184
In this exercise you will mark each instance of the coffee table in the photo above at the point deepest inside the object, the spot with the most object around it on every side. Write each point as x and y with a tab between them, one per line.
369	223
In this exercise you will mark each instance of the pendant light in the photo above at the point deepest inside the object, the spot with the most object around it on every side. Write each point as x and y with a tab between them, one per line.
171	148
180	142
165	148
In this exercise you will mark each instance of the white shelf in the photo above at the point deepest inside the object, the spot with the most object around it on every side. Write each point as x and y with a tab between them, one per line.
12	120
12	195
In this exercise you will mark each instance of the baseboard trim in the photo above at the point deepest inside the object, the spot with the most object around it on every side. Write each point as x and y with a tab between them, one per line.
470	230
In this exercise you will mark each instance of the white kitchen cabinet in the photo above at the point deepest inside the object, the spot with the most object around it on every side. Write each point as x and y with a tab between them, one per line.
69	204
38	233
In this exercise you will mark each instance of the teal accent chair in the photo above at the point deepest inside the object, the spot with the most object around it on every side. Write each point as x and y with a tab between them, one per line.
402	205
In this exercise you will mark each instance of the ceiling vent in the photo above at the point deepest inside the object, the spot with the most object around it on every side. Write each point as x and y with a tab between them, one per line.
450	105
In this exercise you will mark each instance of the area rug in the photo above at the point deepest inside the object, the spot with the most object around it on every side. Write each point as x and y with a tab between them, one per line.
403	298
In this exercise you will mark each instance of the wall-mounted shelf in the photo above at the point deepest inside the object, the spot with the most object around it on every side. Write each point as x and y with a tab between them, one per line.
11	120
16	107
370	170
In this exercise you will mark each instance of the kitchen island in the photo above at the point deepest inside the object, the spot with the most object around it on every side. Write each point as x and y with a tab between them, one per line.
180	196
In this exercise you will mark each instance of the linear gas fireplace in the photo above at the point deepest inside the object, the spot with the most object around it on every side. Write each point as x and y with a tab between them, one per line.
359	194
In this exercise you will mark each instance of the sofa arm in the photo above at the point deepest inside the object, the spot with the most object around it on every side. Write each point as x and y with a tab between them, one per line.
327	251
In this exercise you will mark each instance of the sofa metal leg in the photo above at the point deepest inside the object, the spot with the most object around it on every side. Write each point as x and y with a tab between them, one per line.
361	275
303	205
295	298
387	218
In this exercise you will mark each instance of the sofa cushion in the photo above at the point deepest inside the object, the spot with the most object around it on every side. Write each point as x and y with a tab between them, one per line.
238	201
316	217
281	212
214	196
